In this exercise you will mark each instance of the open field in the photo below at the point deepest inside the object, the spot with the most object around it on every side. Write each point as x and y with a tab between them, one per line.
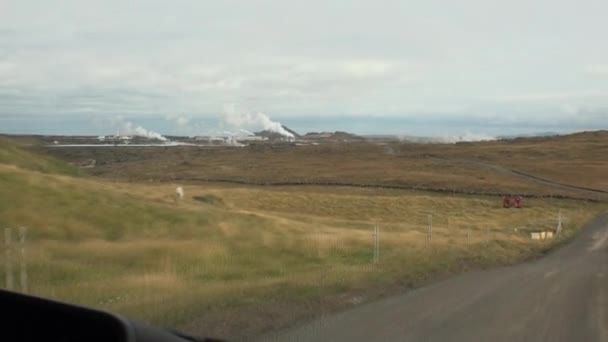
234	259
485	167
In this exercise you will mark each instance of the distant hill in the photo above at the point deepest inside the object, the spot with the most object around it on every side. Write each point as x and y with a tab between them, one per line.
337	136
530	135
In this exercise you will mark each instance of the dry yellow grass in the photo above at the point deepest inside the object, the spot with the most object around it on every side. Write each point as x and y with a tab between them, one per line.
133	248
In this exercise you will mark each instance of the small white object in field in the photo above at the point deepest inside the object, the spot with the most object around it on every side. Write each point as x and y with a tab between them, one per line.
180	192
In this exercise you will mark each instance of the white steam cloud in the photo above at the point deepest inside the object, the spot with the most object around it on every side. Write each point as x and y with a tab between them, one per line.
240	118
246	131
128	128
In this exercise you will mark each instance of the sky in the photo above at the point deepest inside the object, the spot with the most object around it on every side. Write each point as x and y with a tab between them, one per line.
371	67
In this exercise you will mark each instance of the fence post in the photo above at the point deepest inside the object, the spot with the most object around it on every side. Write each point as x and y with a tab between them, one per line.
430	233
559	223
8	262
376	244
23	260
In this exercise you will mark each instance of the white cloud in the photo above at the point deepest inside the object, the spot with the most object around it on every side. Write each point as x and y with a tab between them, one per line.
178	120
366	69
597	70
350	58
554	96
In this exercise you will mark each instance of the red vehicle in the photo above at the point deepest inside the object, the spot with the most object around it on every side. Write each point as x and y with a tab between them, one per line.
517	202
506	202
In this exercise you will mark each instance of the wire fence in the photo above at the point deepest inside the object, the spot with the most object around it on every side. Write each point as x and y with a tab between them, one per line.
440	229
430	230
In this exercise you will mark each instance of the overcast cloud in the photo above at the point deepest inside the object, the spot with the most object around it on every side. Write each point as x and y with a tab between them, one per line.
478	63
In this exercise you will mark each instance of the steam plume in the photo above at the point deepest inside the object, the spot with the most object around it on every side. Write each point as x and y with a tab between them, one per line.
237	117
246	132
128	128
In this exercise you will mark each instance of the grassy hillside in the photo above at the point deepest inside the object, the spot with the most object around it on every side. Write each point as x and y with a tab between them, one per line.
13	153
231	260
